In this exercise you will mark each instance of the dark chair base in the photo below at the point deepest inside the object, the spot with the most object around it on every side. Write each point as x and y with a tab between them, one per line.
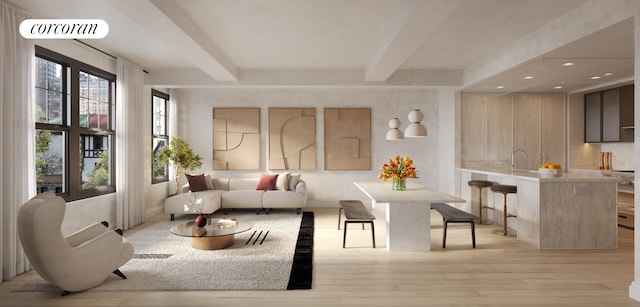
444	234
356	212
454	215
373	231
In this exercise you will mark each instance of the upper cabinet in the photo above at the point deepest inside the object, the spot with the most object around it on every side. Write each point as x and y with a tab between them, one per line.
627	123
609	115
593	117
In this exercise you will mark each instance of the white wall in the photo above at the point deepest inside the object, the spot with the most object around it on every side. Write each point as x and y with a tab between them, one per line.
325	187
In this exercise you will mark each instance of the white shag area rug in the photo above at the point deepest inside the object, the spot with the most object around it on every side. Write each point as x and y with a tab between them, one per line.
166	262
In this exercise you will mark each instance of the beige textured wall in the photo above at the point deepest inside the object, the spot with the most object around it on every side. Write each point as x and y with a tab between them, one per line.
326	187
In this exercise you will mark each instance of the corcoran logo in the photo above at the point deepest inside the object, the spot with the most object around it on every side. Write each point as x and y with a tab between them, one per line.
64	28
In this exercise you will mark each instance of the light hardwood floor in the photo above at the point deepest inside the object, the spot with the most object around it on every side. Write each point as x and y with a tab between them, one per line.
501	271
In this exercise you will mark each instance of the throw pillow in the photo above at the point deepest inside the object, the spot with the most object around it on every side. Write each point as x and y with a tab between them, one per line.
293	181
197	182
207	178
267	182
282	183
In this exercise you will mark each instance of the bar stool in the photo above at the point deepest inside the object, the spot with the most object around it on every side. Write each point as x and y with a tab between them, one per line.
505	189
480	184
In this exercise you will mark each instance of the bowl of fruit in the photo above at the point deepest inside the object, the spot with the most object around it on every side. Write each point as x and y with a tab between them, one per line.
550	170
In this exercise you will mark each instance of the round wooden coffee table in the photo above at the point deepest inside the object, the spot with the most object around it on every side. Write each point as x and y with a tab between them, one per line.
219	234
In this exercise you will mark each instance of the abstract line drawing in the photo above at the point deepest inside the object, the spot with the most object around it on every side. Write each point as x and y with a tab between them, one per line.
236	138
292	138
347	138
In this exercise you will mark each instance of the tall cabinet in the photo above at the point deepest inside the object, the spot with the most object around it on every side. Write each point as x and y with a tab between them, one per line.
540	128
493	126
487	125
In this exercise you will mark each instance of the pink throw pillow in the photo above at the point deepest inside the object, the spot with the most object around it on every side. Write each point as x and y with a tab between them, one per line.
267	182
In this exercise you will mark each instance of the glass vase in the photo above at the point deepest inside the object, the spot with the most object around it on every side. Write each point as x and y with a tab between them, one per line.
399	184
200	221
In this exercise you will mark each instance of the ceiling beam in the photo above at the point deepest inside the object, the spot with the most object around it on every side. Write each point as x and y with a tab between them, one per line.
411	31
167	21
300	78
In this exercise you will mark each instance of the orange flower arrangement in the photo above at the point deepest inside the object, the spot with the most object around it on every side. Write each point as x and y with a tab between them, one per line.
398	168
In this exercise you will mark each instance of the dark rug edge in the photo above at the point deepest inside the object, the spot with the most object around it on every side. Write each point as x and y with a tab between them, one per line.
302	266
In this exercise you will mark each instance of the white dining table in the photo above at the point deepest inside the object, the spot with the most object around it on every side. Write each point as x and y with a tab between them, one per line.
407	213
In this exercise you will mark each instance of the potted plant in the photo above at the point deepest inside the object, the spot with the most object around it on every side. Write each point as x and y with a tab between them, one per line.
181	156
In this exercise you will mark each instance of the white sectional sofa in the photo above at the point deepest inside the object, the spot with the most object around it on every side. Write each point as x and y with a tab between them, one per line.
231	193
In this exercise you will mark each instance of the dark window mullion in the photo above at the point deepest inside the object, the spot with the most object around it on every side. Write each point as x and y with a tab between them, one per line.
75	151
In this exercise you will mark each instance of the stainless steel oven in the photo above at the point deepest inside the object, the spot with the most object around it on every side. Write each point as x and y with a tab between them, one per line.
625	201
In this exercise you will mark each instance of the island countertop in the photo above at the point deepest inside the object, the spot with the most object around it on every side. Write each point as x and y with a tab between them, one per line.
534	175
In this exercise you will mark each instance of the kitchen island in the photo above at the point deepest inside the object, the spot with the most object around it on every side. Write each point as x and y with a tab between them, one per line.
568	211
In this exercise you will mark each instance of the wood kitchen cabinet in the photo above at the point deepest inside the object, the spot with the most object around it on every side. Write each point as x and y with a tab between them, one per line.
473	129
492	126
609	115
540	128
499	129
486	127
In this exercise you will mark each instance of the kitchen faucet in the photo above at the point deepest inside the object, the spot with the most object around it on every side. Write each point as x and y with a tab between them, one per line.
513	158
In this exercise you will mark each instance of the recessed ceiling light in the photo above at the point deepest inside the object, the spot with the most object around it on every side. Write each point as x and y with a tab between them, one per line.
567	64
558	87
595	77
500	86
528	77
607	74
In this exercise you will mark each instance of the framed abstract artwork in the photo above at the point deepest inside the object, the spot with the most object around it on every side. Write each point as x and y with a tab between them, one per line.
347	138
236	138
292	138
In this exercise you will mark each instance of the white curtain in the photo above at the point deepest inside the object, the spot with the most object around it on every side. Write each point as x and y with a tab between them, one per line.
17	136
130	210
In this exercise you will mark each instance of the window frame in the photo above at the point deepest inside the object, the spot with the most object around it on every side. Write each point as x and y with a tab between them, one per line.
71	125
154	136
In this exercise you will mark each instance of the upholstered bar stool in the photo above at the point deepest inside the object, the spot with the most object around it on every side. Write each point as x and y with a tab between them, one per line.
505	190
480	184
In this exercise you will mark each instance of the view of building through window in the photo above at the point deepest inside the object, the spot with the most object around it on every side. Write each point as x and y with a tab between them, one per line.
74	127
50	143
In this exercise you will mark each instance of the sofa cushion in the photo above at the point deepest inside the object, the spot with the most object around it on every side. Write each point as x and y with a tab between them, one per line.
243	183
242	199
293	181
267	182
197	182
210	202
221	183
282	183
283	199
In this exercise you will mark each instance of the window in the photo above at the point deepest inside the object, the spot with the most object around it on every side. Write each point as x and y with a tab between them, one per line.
159	122
74	127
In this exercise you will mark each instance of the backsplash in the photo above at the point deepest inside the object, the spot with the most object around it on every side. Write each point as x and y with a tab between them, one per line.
623	156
